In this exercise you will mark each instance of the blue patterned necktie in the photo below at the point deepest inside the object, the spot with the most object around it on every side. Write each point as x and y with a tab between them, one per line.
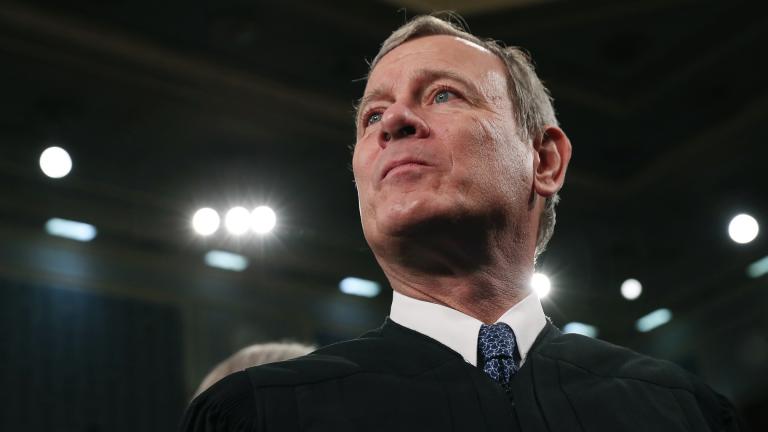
497	353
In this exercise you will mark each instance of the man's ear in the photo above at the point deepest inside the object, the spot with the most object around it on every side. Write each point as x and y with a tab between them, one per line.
552	152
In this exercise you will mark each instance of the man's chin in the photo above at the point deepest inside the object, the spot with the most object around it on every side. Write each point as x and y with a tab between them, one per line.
402	227
416	222
429	241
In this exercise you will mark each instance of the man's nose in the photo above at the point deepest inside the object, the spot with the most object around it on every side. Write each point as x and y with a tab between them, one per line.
398	122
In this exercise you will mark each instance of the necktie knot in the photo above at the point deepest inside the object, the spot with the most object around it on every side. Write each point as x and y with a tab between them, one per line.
497	349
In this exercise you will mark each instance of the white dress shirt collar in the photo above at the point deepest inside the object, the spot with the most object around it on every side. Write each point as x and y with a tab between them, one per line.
459	332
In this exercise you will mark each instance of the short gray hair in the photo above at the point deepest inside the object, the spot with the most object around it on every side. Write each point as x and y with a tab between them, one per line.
253	355
530	98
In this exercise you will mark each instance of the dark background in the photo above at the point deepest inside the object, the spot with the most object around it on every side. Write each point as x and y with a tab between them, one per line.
173	105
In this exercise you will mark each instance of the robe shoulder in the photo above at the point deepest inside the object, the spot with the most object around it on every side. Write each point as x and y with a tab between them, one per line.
228	405
254	399
603	360
391	350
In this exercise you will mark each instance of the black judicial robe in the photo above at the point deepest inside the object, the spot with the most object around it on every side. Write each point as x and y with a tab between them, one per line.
395	379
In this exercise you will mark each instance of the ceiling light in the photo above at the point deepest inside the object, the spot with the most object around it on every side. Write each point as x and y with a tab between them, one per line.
359	287
758	268
55	162
238	220
263	219
70	229
631	289
226	260
580	328
653	320
743	228
206	221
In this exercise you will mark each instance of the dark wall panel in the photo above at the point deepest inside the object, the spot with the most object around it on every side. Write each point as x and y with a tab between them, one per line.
76	361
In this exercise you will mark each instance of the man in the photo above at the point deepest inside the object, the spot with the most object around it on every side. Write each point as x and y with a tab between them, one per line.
458	162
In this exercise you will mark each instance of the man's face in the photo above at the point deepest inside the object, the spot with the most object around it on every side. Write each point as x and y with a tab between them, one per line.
437	141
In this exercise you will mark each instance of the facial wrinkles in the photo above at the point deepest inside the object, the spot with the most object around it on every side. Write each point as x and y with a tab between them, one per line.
503	156
483	130
494	88
503	128
502	164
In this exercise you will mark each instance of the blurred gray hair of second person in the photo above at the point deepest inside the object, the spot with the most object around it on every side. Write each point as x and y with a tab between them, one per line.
253	355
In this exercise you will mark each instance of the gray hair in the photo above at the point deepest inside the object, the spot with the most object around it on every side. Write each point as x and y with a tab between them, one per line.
532	103
253	355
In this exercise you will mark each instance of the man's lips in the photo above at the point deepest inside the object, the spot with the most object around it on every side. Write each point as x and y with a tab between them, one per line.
400	162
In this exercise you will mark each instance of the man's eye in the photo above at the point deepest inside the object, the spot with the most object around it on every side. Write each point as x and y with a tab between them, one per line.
444	96
373	118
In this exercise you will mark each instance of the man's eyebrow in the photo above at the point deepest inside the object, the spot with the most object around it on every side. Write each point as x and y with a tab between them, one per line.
421	76
375	94
431	75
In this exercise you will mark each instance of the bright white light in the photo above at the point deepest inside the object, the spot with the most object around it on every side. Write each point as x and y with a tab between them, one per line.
631	289
206	221
263	219
55	162
226	260
70	229
743	228
238	220
540	284
359	287
580	328
653	320
758	268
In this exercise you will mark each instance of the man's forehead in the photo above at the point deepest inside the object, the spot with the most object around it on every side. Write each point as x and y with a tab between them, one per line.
435	43
431	46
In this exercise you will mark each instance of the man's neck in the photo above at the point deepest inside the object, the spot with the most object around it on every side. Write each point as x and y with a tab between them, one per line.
485	294
480	267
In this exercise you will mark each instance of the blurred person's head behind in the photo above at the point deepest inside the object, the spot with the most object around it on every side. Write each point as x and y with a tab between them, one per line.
253	355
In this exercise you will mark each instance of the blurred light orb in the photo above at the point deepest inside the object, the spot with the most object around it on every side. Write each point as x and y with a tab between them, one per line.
580	328
654	319
70	229
55	162
540	284
631	289
743	228
226	260
237	220
359	287
263	219
206	221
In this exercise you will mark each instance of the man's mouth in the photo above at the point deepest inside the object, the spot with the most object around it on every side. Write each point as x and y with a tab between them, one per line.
401	164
